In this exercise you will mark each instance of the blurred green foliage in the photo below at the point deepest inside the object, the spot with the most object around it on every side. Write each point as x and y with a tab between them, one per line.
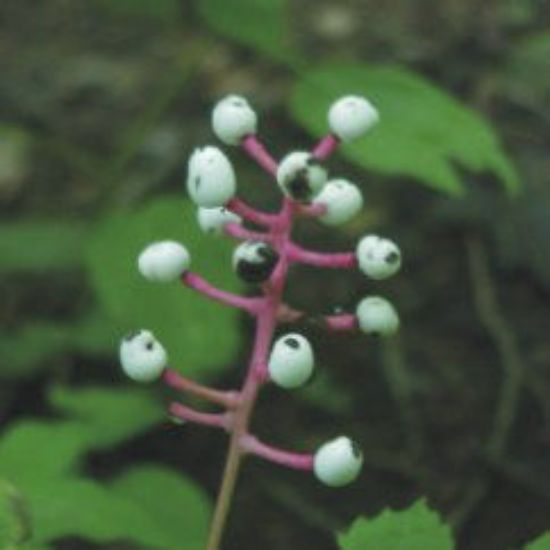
45	461
14	520
202	336
423	132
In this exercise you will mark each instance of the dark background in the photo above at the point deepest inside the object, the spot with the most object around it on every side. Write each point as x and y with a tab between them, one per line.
101	103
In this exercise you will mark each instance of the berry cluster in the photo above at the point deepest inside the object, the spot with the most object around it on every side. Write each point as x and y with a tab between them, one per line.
263	258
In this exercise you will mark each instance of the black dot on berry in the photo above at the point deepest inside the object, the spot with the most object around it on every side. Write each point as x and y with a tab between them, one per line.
197	182
291	342
392	257
149	346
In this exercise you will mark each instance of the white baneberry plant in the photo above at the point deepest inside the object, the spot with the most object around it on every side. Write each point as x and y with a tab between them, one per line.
263	259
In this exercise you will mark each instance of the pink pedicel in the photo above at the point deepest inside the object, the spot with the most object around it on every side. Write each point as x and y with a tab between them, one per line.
326	147
269	311
258	152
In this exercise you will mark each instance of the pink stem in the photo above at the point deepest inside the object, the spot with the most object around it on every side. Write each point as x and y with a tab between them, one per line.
175	380
310	210
242	209
194	281
237	231
187	414
334	261
259	153
297	461
343	322
326	147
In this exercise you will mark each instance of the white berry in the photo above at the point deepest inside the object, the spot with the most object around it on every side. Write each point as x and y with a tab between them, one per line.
377	316
211	179
142	356
351	116
342	200
291	361
164	261
254	261
301	176
377	257
338	462
212	220
233	119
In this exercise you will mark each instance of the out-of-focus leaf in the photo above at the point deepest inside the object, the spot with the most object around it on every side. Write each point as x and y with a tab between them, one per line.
261	24
151	506
323	393
199	335
180	509
422	132
542	543
36	345
14	519
30	451
161	10
108	415
41	245
526	76
25	350
417	528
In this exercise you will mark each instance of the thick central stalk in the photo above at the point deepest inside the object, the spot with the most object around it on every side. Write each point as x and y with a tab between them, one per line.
266	323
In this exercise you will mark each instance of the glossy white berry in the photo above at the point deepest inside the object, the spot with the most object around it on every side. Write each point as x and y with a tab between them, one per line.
212	220
291	361
163	261
254	261
377	316
142	356
233	119
352	116
377	257
301	176
211	179
342	200
338	462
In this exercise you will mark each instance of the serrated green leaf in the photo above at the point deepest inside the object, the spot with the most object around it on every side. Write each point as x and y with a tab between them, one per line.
423	131
181	509
41	245
200	335
14	519
261	24
417	528
542	543
108	416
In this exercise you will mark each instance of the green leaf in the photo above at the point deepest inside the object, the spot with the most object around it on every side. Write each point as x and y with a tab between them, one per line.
30	451
199	335
14	518
542	543
417	528
181	509
41	245
261	24
37	345
154	507
423	131
25	350
108	416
